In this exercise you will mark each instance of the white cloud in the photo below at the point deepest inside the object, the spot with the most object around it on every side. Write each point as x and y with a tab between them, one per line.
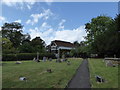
46	35
2	18
49	2
19	3
50	34
29	7
71	35
28	21
19	21
35	17
61	26
44	26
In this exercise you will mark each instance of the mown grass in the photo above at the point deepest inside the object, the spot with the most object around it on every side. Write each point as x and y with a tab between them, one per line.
110	74
36	75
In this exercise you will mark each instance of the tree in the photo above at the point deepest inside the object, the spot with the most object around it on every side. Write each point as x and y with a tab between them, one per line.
38	44
103	36
76	44
13	32
7	46
96	29
26	48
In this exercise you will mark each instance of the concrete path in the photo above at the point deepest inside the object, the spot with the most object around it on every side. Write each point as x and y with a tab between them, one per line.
82	77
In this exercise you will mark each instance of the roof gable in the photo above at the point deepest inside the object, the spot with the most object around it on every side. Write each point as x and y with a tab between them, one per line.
63	43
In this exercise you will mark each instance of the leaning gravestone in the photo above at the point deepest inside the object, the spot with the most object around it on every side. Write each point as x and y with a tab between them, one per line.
18	62
22	78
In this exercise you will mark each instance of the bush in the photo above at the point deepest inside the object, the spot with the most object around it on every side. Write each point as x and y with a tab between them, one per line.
25	56
9	57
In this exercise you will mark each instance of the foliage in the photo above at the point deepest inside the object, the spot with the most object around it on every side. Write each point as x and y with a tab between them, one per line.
38	44
17	42
13	32
25	56
26	48
102	36
7	46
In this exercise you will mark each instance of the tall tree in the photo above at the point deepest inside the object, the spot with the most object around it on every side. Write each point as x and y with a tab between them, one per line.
7	46
38	44
96	30
13	32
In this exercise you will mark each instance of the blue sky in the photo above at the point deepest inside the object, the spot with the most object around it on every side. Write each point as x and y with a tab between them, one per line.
56	20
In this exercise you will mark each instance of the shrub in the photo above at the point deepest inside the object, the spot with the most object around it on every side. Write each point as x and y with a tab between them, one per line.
25	56
9	57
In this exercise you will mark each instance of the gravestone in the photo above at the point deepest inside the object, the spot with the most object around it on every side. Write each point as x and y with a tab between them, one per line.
109	63
18	62
65	59
22	78
49	70
68	63
58	60
50	59
44	59
34	59
37	60
99	79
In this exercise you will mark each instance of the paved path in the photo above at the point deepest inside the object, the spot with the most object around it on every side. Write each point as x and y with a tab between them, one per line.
81	79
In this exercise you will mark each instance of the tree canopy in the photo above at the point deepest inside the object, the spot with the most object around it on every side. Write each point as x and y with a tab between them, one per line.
13	40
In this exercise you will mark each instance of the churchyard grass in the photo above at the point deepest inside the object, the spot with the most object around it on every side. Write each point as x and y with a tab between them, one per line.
110	74
36	74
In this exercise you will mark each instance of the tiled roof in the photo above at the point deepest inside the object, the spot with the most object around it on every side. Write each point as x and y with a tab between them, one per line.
63	43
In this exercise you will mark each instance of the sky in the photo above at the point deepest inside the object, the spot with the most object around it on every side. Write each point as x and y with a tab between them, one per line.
55	20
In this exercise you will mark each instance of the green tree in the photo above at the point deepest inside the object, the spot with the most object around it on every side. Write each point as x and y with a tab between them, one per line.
13	32
26	48
96	29
38	44
7	46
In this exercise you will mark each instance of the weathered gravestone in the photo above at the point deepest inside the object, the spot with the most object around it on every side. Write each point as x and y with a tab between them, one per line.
44	59
34	59
99	79
50	59
18	62
22	78
58	60
68	63
49	70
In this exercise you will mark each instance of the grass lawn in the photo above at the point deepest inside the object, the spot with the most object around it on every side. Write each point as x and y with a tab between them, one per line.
110	74
36	75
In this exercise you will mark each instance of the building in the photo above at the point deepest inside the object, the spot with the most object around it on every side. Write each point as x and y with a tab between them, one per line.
60	47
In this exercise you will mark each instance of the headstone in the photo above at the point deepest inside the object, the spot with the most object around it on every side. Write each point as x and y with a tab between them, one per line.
99	79
50	59
38	60
109	63
68	63
58	60
44	59
22	78
65	59
49	70
34	59
18	62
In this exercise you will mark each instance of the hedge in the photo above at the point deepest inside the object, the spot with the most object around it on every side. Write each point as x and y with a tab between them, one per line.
25	56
